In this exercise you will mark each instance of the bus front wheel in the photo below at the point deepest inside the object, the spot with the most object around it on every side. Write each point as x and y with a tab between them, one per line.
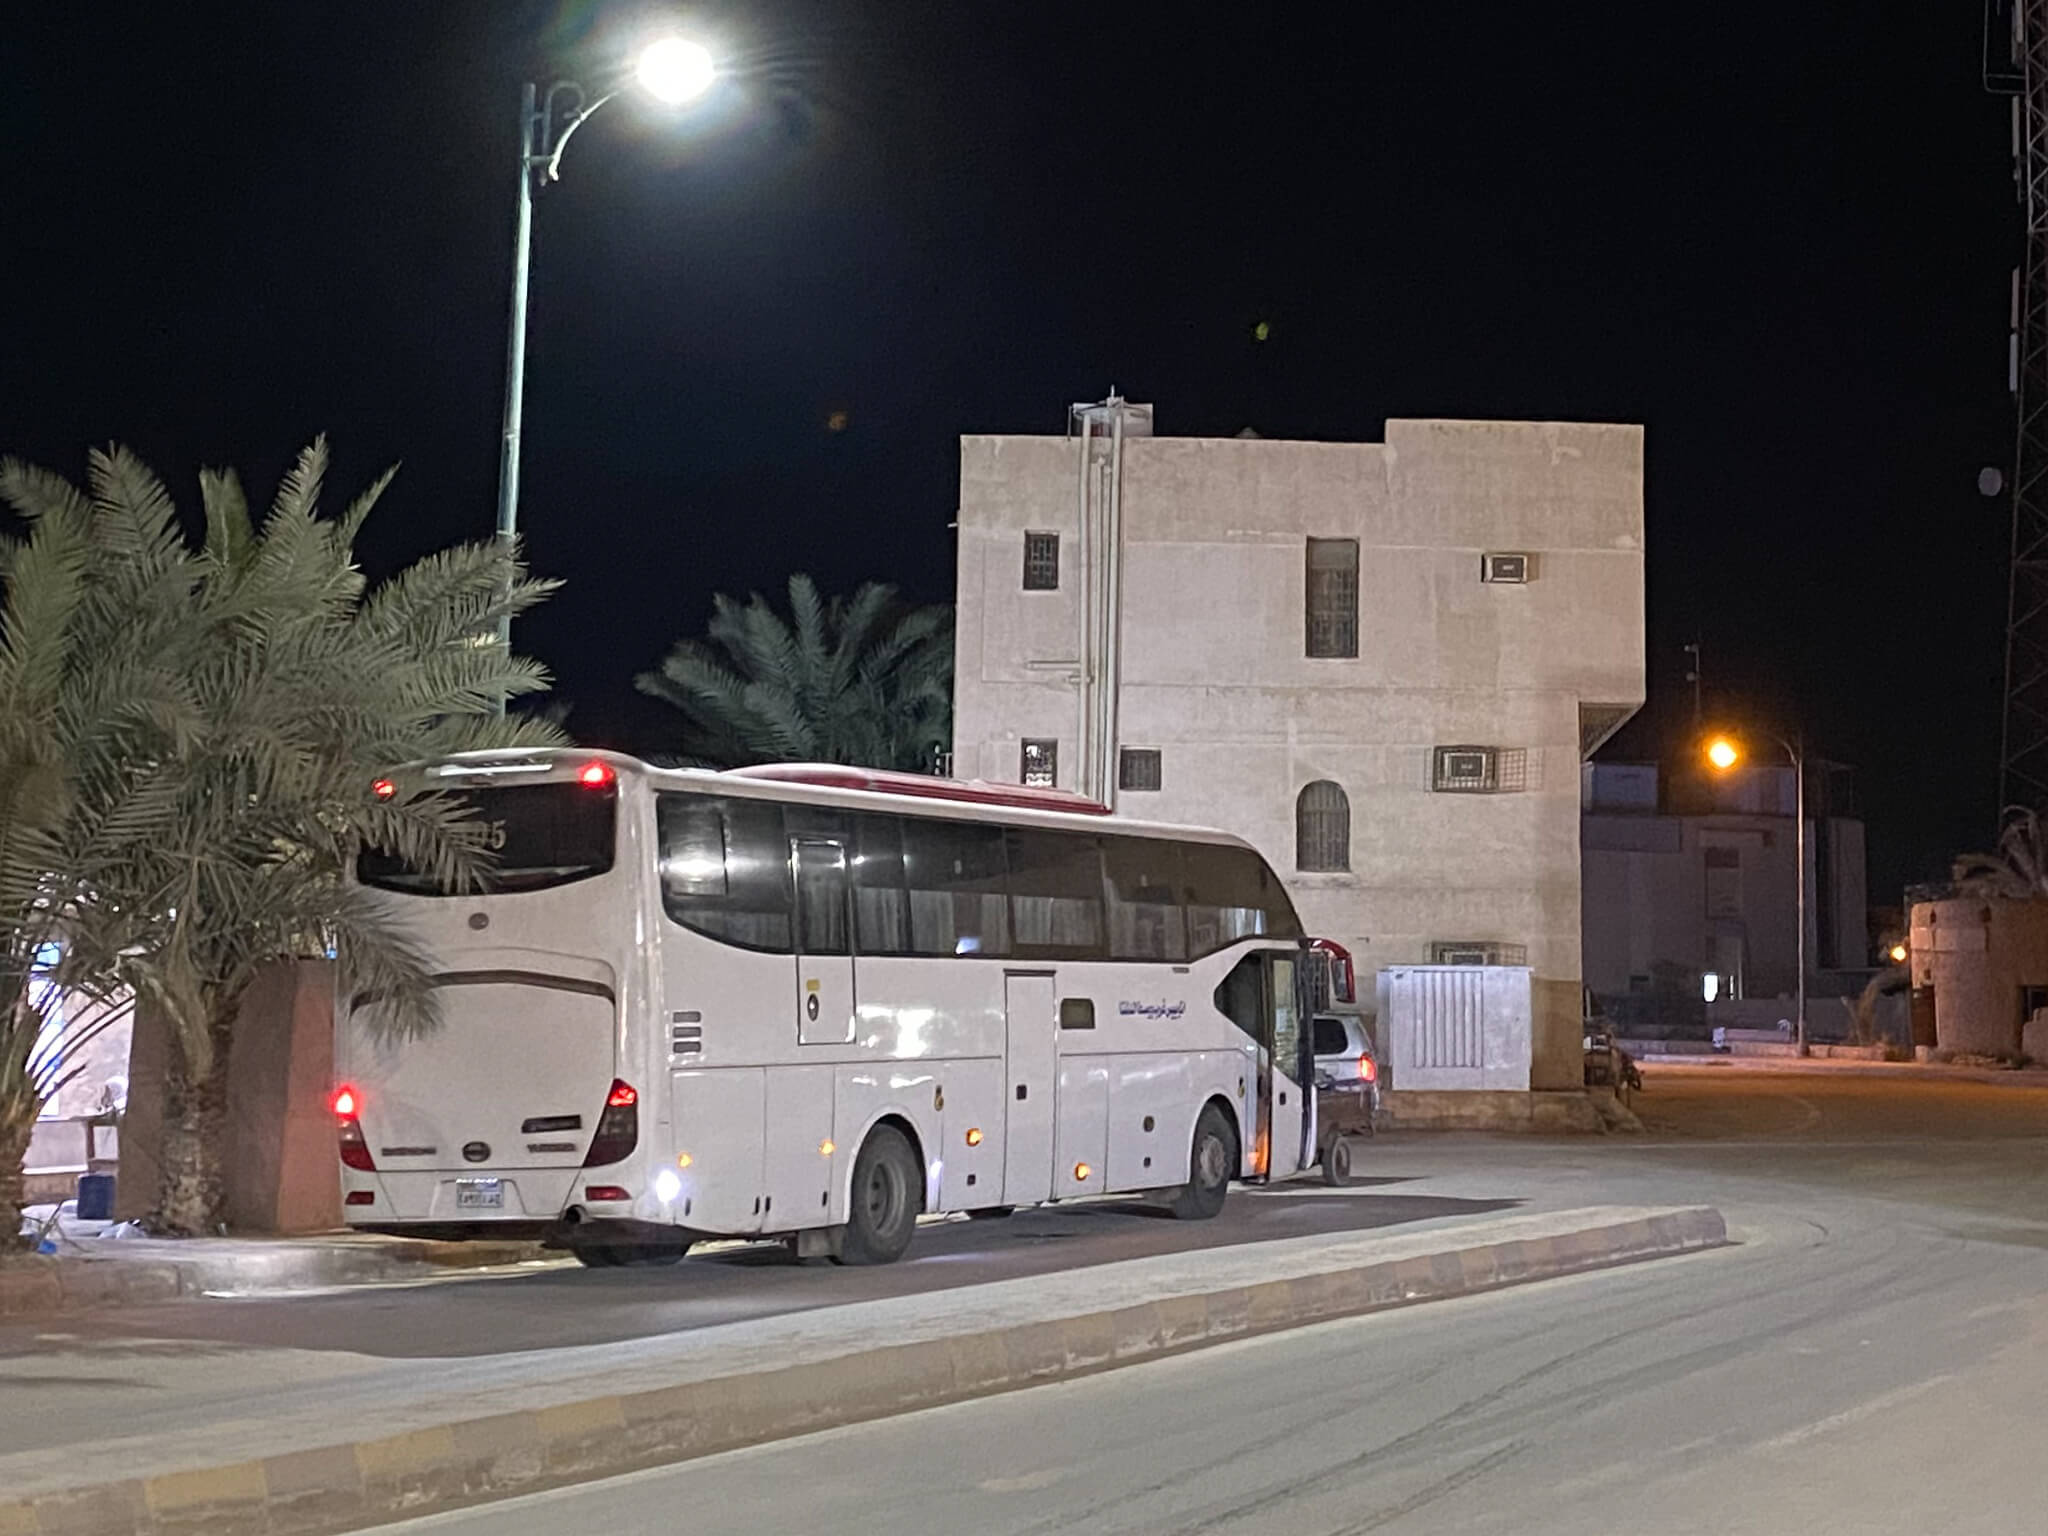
1211	1161
888	1188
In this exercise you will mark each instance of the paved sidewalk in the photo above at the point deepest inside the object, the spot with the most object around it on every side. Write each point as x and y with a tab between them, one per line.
321	1455
93	1267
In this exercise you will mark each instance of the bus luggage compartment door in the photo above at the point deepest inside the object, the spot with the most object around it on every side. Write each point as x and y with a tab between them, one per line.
719	1117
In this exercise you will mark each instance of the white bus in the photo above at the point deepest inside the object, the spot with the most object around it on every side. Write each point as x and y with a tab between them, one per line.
816	1003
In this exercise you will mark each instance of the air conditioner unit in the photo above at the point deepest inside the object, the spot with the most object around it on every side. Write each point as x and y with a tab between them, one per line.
1470	770
1510	568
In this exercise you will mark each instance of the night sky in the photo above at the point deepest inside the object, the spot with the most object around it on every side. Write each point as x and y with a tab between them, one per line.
1778	235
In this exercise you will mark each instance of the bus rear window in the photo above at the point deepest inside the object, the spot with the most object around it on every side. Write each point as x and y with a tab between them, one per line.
536	835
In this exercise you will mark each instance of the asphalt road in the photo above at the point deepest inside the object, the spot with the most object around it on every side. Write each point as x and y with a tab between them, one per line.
1873	1358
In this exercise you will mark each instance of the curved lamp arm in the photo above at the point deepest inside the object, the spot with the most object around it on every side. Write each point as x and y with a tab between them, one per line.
565	101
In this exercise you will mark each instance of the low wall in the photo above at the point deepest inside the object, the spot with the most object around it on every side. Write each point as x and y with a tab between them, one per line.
1537	1113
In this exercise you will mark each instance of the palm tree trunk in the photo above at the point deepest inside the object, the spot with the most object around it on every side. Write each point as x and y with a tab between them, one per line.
14	1134
191	1191
20	1027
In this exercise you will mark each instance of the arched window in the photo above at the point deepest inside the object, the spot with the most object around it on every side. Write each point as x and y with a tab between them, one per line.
1322	828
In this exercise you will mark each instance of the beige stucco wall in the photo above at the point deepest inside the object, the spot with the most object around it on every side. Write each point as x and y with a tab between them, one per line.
1978	953
1214	673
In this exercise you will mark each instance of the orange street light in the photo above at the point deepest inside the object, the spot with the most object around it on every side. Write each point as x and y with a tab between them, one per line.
1722	753
1898	954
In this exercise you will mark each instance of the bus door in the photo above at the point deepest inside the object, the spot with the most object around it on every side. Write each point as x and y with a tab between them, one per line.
1262	996
825	1000
1288	1076
1031	1077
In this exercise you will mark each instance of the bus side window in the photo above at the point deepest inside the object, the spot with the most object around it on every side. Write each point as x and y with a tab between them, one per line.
1145	918
725	868
881	910
955	876
1231	895
1056	894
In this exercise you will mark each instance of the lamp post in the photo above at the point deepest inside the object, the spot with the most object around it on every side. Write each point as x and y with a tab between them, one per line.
1723	753
673	70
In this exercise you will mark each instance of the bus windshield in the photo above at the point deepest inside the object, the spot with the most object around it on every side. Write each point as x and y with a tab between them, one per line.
537	836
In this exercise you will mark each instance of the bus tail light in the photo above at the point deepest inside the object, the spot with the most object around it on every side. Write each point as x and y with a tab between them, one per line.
618	1128
596	775
348	1130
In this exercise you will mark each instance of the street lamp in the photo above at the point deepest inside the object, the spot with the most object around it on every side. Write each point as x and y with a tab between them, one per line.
672	70
1723	753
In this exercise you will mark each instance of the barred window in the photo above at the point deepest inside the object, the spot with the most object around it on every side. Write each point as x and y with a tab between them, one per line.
1322	828
1137	768
1331	617
1041	562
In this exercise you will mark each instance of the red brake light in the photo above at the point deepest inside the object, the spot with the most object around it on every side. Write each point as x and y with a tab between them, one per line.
1368	1068
383	789
606	1192
618	1128
355	1151
596	776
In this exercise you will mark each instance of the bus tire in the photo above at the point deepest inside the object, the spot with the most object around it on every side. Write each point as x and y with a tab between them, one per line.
888	1192
1211	1161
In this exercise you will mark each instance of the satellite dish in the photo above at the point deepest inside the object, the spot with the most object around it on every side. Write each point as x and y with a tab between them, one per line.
1990	481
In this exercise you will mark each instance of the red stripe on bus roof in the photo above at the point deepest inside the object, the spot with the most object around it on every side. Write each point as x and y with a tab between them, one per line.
925	786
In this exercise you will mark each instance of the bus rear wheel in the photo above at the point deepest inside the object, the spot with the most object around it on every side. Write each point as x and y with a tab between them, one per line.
1211	1161
888	1190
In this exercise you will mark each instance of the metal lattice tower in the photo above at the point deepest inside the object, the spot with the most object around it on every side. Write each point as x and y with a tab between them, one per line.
2023	754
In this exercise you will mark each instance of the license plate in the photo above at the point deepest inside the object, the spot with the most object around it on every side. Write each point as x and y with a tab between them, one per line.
479	1194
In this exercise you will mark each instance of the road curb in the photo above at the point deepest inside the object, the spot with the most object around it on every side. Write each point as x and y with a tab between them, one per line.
348	1485
44	1285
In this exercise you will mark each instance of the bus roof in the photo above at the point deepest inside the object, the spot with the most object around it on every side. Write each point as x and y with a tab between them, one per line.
1022	797
828	784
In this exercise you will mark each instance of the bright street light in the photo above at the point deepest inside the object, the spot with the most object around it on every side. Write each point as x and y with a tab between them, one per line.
1898	954
1724	753
675	70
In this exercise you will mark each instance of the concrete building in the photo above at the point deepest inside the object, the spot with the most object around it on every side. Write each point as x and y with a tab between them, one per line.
1695	880
1980	966
1382	663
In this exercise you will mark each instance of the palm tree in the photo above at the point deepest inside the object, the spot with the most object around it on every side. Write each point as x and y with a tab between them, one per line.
69	697
2018	867
862	680
226	785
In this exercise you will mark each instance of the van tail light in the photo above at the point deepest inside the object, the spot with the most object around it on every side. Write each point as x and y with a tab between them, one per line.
1368	1068
618	1128
355	1152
